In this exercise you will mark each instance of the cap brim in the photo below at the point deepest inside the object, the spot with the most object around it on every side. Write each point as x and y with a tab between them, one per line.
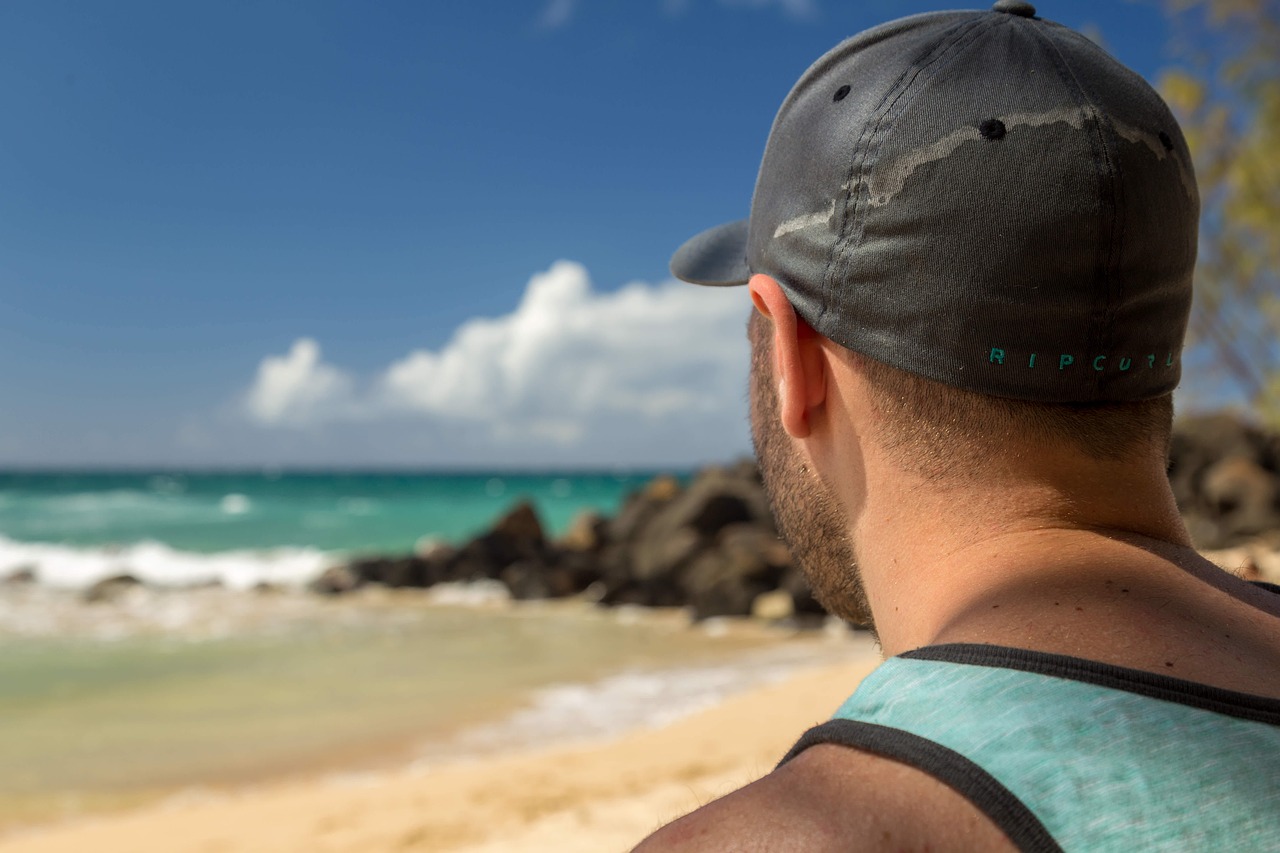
716	257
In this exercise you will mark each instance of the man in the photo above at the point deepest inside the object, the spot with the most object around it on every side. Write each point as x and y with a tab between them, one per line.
970	252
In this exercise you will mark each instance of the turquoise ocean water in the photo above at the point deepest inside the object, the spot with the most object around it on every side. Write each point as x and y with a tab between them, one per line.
115	704
185	527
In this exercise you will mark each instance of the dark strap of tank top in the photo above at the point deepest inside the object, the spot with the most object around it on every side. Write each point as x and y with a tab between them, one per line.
949	767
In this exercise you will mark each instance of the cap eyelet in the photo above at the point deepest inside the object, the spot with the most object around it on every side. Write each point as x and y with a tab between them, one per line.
841	93
992	128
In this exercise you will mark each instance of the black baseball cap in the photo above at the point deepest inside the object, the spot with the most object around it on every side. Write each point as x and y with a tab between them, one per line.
986	199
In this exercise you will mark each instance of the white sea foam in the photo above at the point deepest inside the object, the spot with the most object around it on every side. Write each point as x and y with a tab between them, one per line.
235	504
157	564
477	593
568	713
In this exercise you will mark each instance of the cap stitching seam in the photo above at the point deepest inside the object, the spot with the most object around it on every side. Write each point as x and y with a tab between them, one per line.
1101	336
1106	134
903	85
899	89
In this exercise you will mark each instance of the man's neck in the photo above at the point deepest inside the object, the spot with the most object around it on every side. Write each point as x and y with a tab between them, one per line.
944	561
1121	585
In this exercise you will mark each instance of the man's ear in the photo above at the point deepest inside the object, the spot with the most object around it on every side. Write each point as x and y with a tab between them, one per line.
799	365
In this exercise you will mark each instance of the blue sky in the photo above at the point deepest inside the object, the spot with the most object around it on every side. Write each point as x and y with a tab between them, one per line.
227	229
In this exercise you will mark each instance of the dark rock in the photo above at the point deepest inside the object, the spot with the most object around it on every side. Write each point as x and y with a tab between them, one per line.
21	577
583	569
626	594
662	532
1242	495
750	539
640	507
655	558
646	570
110	589
525	580
521	523
726	579
474	563
405	571
336	580
368	569
712	502
529	580
794	582
713	544
1200	441
1225	475
588	532
516	536
516	552
486	556
746	471
408	571
690	521
718	511
1205	532
720	585
435	563
661	489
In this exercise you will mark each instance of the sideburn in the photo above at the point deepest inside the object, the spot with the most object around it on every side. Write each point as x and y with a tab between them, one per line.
808	515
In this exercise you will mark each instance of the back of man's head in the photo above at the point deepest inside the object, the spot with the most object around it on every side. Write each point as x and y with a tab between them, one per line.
939	431
995	218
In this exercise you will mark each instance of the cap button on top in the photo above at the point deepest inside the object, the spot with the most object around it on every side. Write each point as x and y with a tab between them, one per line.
1015	7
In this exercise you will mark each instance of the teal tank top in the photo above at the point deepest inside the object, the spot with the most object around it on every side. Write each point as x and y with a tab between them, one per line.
1070	754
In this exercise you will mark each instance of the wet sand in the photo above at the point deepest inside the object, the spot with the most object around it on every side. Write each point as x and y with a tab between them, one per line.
137	707
602	795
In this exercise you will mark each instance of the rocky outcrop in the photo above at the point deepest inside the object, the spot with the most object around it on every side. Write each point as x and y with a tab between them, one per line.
515	551
110	589
21	577
336	580
711	545
1225	475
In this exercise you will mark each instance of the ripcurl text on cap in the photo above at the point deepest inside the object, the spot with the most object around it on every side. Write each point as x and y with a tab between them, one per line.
986	199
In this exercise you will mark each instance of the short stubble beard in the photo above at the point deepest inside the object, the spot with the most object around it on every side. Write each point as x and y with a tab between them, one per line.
809	515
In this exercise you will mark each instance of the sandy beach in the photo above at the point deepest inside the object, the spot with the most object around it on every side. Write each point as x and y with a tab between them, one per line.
587	797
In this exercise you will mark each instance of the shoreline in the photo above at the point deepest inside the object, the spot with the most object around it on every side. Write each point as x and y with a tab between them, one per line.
604	794
665	668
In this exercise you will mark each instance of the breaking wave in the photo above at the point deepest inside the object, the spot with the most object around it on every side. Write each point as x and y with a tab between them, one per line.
157	564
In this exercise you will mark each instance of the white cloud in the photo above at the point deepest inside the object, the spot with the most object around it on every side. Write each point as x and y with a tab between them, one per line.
556	14
297	388
568	367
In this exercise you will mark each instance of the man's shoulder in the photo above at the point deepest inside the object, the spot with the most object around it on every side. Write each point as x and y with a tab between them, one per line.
834	798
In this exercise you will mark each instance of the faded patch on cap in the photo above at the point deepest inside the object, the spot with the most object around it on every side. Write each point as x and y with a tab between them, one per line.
887	181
